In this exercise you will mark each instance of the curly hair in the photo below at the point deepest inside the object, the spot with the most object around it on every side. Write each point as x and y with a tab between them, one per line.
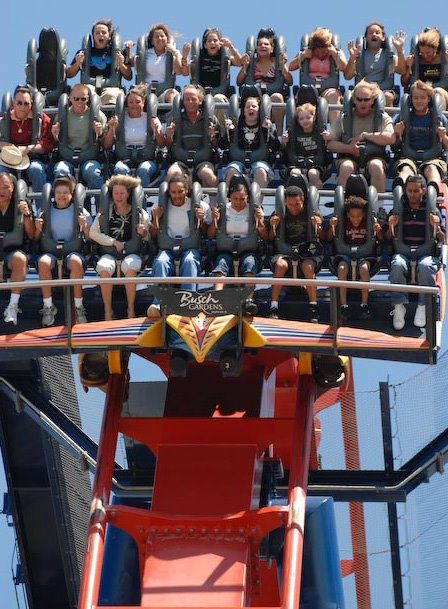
354	202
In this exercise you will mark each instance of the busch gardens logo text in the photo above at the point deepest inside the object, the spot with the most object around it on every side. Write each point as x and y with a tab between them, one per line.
211	303
197	303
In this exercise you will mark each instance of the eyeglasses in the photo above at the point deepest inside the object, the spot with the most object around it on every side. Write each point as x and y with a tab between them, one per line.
363	99
80	98
19	102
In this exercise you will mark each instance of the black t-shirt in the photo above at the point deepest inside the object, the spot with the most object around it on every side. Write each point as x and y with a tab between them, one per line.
307	143
120	227
248	136
430	72
101	62
209	69
296	228
7	222
7	219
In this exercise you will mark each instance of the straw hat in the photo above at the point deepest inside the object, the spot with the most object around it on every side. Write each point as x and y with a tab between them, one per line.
10	156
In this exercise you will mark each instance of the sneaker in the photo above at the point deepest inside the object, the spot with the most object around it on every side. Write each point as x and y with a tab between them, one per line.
420	316
10	314
313	314
273	313
398	313
250	308
364	312
153	310
345	313
48	315
80	315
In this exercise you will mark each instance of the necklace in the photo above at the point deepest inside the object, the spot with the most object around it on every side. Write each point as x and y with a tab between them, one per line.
20	127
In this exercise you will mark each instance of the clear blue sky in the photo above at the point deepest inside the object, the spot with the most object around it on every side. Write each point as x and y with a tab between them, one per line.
237	20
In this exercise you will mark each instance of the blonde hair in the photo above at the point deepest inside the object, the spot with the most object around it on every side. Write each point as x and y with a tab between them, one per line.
372	86
429	37
308	107
321	37
422	86
140	90
129	182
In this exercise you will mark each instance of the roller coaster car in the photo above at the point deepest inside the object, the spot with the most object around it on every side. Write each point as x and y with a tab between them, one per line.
211	325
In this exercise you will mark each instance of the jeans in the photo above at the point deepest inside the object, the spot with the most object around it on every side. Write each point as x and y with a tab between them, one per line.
36	174
224	264
426	269
190	266
90	171
145	171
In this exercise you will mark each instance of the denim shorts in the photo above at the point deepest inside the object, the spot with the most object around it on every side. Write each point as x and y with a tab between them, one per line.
253	167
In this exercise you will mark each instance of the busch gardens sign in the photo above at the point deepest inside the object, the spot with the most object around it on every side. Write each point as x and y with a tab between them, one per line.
211	303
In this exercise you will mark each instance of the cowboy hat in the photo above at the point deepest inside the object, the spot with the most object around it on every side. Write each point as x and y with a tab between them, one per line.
10	156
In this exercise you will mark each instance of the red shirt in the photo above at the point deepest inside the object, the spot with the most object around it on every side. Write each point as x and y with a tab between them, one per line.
355	235
25	137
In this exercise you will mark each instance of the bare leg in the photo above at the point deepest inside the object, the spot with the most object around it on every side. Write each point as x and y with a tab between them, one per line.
377	174
18	264
432	174
342	276
44	268
76	272
280	270
405	172
130	293
308	268
207	176
278	114
333	96
314	178
106	294
364	275
346	168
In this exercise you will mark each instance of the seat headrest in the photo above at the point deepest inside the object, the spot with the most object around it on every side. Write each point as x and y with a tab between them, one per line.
307	94
48	40
356	186
301	181
249	91
238	179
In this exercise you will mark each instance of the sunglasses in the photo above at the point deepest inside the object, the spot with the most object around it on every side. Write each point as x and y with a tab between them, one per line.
19	102
80	98
363	99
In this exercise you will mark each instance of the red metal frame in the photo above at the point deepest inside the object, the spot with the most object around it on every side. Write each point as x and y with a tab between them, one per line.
180	537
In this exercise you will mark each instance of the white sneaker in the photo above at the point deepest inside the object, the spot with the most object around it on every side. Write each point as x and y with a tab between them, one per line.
80	315
399	313
48	315
420	316
153	310
10	314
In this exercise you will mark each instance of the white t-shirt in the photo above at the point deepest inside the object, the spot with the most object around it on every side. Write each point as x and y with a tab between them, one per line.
155	66
237	222
178	223
135	130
